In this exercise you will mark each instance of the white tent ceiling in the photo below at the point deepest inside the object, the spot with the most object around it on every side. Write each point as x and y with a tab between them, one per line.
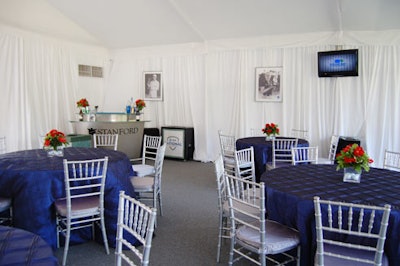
138	23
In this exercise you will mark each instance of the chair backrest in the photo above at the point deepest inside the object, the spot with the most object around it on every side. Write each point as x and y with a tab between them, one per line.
3	146
158	166
151	144
245	167
228	147
303	155
333	147
83	179
246	200
246	206
136	219
228	144
299	133
219	173
352	226
105	141
391	160
282	150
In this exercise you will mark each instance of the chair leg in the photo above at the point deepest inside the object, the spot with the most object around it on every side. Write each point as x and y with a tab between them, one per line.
66	245
103	231
231	251
219	236
160	202
58	233
298	255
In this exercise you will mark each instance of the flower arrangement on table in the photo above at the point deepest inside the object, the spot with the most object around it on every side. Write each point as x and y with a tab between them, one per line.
140	104
353	156
82	103
270	129
53	141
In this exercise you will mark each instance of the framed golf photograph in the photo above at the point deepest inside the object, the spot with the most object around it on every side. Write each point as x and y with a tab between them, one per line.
153	86
268	84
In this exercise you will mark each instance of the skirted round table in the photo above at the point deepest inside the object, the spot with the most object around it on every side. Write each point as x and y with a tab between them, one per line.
262	151
34	181
290	191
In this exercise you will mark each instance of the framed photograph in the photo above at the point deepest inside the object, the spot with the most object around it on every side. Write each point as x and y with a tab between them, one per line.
268	84
153	90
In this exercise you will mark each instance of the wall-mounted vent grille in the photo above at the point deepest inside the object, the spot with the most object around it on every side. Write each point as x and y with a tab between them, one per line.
90	71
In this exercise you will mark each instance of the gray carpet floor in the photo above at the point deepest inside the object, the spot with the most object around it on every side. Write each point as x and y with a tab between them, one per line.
186	234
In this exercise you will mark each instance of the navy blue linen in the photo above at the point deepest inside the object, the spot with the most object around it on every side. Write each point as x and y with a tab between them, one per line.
34	181
20	247
290	191
262	151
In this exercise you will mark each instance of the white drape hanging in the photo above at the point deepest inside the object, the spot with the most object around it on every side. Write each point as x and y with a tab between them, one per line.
211	89
39	81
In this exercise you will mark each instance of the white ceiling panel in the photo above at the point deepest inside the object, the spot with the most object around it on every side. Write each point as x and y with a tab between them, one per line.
138	23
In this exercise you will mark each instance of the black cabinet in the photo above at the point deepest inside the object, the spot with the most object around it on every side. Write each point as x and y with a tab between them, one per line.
179	141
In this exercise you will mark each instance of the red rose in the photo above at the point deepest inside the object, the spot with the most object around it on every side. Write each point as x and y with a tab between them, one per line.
347	148
358	151
349	160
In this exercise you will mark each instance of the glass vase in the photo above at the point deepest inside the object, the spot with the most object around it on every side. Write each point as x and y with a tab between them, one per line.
351	175
55	151
270	137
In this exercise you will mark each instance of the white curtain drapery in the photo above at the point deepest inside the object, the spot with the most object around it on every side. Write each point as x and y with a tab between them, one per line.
210	87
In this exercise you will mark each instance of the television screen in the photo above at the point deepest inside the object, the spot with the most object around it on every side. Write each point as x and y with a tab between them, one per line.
339	63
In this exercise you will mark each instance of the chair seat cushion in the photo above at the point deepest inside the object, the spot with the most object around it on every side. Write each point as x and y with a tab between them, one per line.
5	203
345	251
79	206
278	238
143	169
324	161
229	160
142	184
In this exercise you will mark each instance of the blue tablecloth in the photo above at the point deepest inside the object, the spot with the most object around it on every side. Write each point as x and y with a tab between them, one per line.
290	191
34	181
20	247
262	151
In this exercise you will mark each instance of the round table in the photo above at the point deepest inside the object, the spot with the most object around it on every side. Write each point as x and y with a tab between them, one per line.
34	181
20	247
262	151
290	191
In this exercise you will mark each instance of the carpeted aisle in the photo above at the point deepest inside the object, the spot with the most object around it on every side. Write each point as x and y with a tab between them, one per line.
186	234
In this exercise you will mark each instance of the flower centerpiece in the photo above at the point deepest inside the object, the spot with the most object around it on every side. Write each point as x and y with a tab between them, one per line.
54	142
353	159
83	105
140	104
271	130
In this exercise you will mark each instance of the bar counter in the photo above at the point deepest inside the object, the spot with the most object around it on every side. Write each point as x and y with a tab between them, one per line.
130	131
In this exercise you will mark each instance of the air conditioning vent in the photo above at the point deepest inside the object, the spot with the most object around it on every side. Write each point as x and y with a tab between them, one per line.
90	71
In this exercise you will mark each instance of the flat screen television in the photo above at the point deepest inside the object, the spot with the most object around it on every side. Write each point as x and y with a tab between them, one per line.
338	63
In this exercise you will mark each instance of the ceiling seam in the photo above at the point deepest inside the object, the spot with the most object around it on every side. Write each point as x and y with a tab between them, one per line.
186	19
340	21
